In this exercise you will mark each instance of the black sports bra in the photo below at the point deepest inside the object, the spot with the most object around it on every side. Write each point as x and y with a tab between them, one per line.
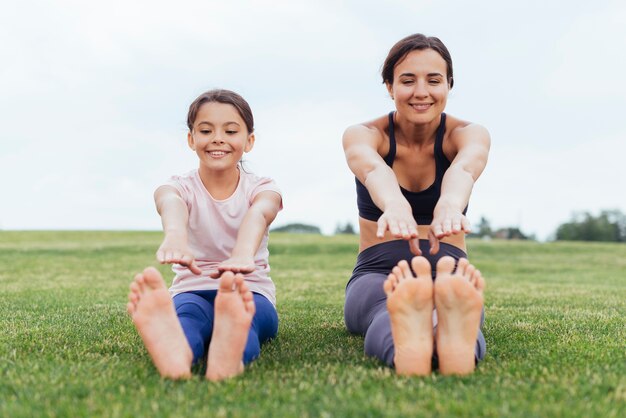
422	203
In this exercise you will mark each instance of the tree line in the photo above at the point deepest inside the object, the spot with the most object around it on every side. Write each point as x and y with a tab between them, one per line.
608	226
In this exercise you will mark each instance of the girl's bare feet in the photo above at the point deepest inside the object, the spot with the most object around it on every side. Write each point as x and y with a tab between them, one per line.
410	306
459	301
234	309
152	310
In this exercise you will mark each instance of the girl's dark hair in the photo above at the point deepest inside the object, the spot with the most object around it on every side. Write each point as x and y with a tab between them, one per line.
221	96
412	43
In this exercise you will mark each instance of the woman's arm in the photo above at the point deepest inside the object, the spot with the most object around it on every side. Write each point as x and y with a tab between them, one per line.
174	217
360	144
259	216
472	143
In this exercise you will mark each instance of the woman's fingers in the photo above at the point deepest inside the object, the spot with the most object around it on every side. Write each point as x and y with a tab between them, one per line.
434	242
414	246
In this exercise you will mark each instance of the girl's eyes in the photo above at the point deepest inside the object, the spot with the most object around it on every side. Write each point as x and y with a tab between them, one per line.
208	132
434	81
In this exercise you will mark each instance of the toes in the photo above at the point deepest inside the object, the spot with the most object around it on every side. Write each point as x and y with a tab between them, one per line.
152	277
397	272
462	266
469	273
421	266
227	281
140	280
250	307
130	308
134	287
479	281
389	284
133	297
406	270
445	265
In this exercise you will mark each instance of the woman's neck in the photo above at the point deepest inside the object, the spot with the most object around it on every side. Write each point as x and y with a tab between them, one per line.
410	133
220	184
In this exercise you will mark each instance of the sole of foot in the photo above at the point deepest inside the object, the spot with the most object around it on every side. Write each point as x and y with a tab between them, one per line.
234	310
458	296
410	306
152	311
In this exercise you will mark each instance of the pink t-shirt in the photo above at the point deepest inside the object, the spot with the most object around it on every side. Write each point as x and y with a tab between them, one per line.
212	232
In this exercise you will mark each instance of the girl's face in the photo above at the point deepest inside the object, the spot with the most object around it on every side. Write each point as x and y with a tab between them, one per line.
219	136
420	86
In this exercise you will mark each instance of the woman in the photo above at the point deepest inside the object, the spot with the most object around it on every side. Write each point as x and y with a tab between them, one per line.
415	169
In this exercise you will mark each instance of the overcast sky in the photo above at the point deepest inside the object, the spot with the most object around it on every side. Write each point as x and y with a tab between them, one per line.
94	98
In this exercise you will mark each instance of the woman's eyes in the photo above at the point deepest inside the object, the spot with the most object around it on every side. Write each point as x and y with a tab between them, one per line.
231	132
205	132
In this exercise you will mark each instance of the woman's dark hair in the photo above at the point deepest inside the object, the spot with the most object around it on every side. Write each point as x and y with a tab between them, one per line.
225	97
412	43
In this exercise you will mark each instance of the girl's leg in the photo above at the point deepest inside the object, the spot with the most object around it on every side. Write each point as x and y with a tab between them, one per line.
264	327
196	315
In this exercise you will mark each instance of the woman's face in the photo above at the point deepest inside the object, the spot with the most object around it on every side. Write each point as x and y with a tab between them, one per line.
420	86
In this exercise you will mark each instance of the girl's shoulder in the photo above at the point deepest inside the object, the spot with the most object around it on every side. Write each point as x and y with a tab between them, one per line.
252	184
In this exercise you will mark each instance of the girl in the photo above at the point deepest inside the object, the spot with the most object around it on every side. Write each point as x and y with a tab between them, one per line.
415	169
215	221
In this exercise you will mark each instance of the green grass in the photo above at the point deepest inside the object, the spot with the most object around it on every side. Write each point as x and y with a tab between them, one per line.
555	330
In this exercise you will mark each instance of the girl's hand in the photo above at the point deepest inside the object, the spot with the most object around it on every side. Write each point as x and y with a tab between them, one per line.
398	220
173	251
236	265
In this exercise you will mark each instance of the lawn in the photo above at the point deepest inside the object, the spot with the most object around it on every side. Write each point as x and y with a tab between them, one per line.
555	330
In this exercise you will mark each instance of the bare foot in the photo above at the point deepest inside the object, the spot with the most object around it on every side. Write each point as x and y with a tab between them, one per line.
459	302
151	308
234	309
410	306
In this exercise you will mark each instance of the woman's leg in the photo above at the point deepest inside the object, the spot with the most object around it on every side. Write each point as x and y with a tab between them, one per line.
365	313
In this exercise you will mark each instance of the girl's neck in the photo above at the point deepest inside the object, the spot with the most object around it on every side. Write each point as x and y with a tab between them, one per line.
220	184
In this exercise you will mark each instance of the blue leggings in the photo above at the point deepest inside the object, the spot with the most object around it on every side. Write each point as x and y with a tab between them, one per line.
365	309
195	313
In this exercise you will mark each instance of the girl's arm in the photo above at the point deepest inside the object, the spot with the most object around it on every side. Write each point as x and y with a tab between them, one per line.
174	217
360	144
472	143
259	216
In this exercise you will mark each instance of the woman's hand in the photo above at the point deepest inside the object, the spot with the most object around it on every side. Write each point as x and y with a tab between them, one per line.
398	220
447	220
175	250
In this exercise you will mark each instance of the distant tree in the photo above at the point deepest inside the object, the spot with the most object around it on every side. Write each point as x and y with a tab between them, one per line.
483	229
345	229
510	233
608	226
297	228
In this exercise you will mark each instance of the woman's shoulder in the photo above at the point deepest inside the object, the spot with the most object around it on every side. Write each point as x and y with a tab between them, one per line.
460	133
372	132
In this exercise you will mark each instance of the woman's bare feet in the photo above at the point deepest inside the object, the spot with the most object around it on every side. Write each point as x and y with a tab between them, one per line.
459	301
151	308
234	309
410	306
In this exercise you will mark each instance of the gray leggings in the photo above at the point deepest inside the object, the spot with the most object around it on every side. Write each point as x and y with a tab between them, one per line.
365	309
